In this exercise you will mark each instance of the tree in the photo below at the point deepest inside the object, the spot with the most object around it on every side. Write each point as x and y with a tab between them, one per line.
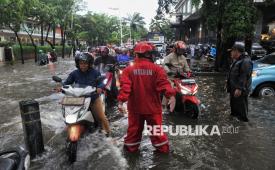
162	25
164	6
64	9
12	16
136	23
235	21
31	9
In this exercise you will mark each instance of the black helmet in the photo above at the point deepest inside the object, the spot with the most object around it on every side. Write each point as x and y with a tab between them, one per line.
84	57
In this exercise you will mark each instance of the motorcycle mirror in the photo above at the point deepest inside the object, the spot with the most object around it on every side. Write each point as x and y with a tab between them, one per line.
57	79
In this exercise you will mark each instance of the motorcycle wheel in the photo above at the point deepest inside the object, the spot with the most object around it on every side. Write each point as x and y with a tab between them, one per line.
71	151
192	110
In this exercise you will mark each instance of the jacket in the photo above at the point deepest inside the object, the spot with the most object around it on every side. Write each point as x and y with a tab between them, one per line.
178	62
239	76
123	58
141	85
84	78
101	62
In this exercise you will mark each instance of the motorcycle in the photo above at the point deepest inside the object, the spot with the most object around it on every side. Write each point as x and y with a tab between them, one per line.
123	65
15	159
186	99
77	114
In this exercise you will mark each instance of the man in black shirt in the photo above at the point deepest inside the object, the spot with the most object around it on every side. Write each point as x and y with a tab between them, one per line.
239	82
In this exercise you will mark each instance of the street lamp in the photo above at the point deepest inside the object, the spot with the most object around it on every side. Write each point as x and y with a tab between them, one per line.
130	31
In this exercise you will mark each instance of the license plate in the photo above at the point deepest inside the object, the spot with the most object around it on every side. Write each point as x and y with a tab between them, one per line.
73	101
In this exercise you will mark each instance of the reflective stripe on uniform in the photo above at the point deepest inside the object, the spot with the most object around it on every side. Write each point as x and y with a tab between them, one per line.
160	144
131	144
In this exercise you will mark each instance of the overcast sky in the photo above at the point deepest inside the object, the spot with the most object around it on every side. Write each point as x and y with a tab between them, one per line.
147	8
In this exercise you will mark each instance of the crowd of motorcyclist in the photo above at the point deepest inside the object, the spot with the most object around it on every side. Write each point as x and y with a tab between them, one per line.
143	83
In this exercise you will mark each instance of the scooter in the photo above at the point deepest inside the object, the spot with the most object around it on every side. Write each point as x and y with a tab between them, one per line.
186	99
77	114
14	159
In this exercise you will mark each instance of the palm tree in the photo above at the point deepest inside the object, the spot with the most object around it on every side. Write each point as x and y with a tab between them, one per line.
136	21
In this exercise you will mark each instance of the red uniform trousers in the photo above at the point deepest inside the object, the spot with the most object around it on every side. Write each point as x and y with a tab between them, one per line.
135	129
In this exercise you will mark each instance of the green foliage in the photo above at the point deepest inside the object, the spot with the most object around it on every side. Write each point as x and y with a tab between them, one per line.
239	19
164	6
6	44
163	26
99	29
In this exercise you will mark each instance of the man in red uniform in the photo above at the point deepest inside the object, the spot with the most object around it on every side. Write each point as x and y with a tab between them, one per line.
141	85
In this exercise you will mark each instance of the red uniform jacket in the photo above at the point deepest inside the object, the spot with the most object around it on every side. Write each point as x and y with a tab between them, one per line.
141	85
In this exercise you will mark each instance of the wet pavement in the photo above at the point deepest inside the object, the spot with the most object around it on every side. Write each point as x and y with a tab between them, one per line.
249	146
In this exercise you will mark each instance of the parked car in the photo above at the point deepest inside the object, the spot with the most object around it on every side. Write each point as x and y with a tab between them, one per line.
267	60
257	51
269	45
263	81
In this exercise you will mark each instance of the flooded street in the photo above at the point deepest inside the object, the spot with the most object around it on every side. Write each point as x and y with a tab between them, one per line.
250	146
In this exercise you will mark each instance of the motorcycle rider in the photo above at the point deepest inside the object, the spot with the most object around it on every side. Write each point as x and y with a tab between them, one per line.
100	65
142	84
103	60
176	61
86	75
124	56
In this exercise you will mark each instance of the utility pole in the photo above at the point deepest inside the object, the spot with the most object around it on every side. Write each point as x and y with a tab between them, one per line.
120	23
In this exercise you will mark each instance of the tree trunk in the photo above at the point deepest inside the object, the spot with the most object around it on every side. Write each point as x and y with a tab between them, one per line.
35	47
49	42
42	36
63	41
226	59
33	43
53	34
21	48
248	45
219	47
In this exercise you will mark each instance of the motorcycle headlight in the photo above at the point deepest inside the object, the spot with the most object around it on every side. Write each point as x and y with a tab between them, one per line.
105	81
185	90
254	73
120	71
131	63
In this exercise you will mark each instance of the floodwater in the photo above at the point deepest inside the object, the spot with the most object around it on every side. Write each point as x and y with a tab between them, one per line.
239	145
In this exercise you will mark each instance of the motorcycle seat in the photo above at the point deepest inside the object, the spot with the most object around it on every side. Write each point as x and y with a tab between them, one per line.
7	164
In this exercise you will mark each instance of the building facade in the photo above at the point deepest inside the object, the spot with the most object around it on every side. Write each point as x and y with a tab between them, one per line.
190	27
8	35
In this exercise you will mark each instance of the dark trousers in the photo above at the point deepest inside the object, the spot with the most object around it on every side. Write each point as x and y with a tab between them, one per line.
239	106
